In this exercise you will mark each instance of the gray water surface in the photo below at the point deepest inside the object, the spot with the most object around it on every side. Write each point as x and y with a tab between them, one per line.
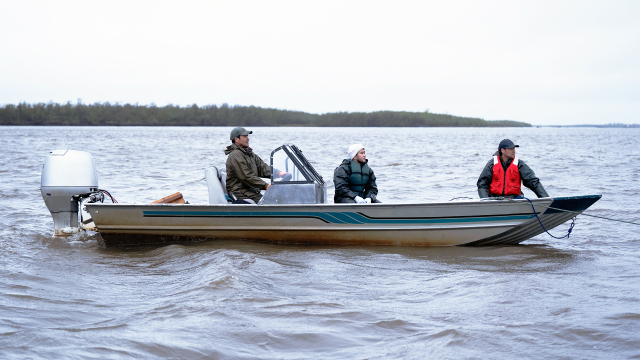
547	298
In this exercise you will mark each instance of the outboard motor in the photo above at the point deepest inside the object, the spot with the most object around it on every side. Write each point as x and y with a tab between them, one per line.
68	176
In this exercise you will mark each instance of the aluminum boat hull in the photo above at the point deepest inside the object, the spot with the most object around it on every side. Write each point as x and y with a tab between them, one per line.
480	222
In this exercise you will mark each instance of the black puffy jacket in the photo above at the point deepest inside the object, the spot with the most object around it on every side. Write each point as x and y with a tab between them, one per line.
342	183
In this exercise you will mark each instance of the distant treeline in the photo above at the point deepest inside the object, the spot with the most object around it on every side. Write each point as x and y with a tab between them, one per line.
211	115
610	125
619	125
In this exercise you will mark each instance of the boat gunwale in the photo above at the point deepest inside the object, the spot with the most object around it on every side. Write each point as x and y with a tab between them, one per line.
476	202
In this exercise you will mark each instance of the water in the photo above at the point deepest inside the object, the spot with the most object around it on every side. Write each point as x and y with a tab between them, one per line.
547	298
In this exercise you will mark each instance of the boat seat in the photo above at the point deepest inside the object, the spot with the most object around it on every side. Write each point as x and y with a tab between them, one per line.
216	184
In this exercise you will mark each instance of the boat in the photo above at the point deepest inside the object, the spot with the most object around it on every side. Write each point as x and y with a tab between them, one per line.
293	210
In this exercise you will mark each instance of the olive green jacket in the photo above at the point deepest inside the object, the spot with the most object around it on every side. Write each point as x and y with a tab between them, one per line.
529	179
244	172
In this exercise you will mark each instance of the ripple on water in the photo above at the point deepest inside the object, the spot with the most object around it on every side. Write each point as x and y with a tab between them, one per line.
550	298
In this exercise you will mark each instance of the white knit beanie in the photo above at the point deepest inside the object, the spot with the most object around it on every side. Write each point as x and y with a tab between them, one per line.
353	150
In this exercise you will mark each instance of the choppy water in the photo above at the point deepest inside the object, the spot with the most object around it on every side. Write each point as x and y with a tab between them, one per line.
547	298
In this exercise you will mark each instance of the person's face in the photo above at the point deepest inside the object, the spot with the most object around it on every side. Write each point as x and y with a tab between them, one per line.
242	141
509	154
361	157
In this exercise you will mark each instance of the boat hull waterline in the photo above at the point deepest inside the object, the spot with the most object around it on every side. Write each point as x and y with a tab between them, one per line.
478	222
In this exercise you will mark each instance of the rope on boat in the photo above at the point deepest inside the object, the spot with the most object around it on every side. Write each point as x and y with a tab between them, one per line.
461	197
595	216
573	221
601	217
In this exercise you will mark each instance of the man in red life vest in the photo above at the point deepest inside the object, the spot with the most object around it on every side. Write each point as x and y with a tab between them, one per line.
504	173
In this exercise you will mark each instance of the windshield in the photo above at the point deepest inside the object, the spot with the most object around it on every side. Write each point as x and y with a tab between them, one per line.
288	159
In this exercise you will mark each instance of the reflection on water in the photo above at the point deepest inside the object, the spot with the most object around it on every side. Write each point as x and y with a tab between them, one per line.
576	298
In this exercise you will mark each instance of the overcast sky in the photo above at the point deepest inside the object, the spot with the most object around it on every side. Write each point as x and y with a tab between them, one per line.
542	62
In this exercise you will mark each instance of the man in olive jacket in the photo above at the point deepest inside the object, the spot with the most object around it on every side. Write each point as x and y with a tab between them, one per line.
354	180
244	168
510	171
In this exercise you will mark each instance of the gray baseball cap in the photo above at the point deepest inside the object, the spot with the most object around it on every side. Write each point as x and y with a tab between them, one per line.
507	144
239	131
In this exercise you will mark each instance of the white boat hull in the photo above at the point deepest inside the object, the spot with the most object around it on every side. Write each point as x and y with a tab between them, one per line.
486	222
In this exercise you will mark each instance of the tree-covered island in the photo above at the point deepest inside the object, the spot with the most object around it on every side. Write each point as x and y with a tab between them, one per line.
107	114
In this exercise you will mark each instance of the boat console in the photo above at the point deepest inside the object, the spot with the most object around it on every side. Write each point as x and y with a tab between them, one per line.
301	183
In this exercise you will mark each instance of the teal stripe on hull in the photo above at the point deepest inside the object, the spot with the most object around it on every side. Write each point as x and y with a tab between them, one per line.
334	217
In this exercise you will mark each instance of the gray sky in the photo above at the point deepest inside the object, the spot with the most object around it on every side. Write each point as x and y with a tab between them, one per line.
542	62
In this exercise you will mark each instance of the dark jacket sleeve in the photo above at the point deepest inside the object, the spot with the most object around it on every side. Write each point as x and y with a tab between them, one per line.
341	183
484	181
530	180
371	189
264	170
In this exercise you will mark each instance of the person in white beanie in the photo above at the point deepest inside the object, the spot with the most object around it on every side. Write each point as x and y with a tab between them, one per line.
354	180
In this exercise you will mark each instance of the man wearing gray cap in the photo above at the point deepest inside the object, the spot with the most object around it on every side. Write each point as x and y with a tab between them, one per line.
504	173
244	168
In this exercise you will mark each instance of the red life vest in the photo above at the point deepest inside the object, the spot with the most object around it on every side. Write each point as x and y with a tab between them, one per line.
508	186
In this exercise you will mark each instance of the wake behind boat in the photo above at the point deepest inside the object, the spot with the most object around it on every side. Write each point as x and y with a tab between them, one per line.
293	210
